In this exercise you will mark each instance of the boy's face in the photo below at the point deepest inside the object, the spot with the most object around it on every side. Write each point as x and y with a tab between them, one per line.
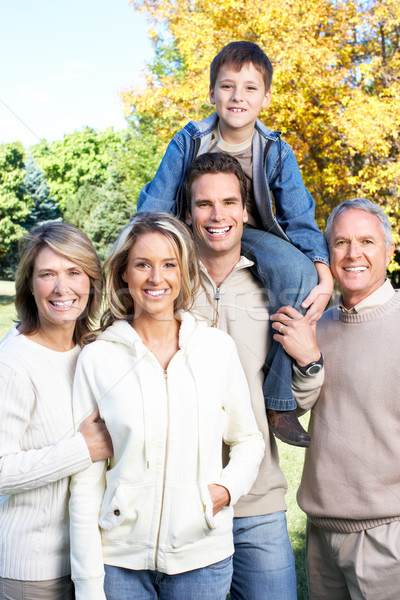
239	97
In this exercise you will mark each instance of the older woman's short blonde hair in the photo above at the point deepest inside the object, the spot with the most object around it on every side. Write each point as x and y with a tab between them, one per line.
74	245
120	302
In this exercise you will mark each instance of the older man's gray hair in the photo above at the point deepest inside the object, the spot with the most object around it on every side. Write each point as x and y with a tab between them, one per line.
367	206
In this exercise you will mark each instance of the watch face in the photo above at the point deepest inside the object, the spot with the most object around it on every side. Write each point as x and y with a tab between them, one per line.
314	369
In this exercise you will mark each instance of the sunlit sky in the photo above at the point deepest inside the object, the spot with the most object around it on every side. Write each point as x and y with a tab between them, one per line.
62	64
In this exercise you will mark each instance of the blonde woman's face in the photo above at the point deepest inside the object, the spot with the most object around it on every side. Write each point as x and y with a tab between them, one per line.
153	276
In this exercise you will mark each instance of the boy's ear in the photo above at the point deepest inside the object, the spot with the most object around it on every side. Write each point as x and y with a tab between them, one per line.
212	95
188	218
267	99
245	215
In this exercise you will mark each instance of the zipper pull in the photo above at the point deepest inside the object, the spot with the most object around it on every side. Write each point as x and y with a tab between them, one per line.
217	294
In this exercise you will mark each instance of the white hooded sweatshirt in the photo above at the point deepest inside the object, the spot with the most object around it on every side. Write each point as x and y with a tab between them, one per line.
151	509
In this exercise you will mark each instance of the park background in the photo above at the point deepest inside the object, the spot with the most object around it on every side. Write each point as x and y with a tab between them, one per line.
123	77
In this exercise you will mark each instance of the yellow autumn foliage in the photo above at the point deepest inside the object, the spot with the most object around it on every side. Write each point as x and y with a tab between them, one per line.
336	86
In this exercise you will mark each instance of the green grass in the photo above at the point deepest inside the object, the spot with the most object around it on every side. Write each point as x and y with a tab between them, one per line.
291	460
7	312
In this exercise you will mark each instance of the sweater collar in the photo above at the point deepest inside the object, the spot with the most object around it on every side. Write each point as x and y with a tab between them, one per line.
374	300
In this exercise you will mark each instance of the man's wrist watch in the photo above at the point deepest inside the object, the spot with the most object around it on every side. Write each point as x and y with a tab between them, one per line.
312	368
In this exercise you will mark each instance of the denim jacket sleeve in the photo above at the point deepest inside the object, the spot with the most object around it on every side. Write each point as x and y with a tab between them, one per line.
294	205
160	194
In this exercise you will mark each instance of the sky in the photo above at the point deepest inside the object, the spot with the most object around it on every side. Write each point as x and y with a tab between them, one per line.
62	64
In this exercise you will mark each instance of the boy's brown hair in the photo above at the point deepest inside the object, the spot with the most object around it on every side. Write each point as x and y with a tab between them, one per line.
238	54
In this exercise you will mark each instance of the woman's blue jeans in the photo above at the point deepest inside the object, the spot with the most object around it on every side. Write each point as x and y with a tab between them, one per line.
209	583
288	275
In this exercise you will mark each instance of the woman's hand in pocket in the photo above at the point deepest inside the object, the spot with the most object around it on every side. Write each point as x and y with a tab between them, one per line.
220	497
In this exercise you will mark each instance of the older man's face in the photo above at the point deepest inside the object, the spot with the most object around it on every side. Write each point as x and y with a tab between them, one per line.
358	254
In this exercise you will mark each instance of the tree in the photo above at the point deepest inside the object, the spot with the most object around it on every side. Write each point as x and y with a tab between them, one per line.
14	202
135	161
336	85
109	215
100	212
80	157
43	208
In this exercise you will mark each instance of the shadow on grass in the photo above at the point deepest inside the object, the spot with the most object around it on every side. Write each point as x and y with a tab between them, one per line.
299	551
4	299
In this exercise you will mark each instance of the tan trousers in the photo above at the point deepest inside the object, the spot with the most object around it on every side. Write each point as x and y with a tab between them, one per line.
354	566
53	589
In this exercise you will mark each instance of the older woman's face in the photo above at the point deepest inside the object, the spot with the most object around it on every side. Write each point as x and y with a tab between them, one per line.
60	287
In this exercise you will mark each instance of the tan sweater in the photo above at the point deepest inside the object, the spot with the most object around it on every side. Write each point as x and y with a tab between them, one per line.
351	476
240	307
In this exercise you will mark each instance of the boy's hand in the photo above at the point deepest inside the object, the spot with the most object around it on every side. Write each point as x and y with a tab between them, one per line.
319	296
316	302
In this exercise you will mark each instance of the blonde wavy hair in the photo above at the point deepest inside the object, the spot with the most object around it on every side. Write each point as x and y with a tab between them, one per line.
120	302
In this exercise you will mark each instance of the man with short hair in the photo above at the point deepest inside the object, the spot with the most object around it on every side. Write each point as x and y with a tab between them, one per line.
350	487
235	301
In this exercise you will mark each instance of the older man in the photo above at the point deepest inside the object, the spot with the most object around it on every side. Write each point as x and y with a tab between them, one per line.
350	487
233	299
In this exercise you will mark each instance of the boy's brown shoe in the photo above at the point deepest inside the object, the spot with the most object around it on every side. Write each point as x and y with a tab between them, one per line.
287	428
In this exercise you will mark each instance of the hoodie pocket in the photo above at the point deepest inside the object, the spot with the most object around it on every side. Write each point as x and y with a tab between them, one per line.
211	520
186	510
123	516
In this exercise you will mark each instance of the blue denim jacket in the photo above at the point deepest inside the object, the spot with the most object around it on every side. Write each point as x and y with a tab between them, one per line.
278	173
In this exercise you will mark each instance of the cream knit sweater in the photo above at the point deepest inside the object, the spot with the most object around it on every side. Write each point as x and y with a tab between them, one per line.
38	451
351	476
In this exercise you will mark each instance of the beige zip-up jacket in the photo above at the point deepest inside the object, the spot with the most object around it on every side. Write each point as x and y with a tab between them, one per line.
240	307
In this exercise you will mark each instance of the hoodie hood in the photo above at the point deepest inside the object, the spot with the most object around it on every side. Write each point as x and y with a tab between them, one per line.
122	332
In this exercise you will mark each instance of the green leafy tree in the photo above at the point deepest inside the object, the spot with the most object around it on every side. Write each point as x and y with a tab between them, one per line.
15	204
109	215
101	212
82	157
136	160
79	206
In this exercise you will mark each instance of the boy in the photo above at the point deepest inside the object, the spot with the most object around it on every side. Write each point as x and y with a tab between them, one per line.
240	87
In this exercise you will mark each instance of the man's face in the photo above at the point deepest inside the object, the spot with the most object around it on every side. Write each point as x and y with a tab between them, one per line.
358	254
217	215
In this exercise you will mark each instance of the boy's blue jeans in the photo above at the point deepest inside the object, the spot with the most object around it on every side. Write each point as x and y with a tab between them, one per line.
288	276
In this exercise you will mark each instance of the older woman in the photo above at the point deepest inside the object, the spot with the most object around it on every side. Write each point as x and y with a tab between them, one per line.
58	291
170	390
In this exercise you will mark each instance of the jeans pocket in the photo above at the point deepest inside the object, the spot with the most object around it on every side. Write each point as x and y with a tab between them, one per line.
222	564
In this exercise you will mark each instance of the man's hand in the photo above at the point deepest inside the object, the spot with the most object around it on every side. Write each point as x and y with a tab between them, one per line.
219	496
296	334
96	436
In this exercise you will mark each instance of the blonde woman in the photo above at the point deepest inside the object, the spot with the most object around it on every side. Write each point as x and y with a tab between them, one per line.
170	391
58	290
